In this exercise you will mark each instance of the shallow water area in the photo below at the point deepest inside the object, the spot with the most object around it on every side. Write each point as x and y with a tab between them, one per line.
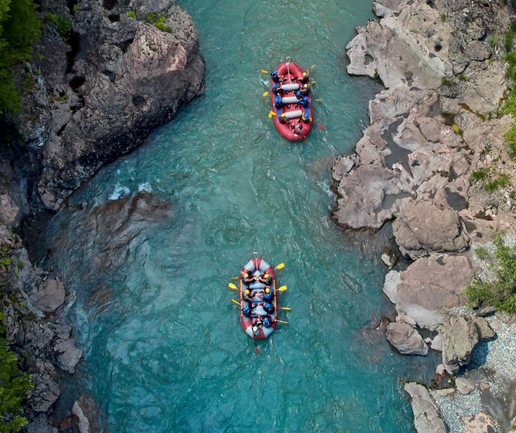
150	244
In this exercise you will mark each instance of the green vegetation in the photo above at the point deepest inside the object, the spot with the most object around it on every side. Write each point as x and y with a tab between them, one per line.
500	291
131	14
159	22
462	77
502	180
19	29
443	17
19	264
75	8
13	390
5	262
62	23
480	174
446	82
481	253
493	40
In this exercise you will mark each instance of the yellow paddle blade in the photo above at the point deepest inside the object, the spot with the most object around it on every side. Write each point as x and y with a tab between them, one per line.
318	100
282	288
285	308
266	93
280	266
313	66
238	303
313	82
281	321
265	72
232	286
272	113
234	278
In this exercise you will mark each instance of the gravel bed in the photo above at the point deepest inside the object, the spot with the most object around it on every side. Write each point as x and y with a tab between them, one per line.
493	363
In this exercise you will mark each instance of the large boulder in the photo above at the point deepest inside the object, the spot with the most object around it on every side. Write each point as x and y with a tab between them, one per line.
428	286
427	416
406	339
460	335
423	228
45	392
49	296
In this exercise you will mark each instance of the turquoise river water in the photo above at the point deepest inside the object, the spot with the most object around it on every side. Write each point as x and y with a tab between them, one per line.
150	244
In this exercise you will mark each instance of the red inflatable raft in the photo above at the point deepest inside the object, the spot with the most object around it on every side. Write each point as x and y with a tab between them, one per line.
255	325
298	119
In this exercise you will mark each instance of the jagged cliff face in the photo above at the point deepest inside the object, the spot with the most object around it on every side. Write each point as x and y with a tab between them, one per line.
99	98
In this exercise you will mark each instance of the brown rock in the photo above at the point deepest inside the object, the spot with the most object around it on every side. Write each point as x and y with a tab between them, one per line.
406	339
479	423
423	228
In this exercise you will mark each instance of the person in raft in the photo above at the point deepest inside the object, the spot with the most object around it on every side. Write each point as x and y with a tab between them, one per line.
304	102
278	104
277	90
269	308
305	119
305	90
247	278
247	311
298	129
305	78
282	119
275	77
268	295
299	96
265	279
267	322
248	295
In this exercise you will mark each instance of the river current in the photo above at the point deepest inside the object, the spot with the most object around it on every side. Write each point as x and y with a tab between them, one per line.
151	243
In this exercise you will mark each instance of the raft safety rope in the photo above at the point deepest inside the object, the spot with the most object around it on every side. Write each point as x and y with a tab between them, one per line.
288	69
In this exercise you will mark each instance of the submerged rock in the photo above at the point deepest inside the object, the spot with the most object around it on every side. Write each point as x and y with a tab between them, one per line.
427	416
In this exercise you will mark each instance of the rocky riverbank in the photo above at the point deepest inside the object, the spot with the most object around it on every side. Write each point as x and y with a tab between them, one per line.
103	75
435	162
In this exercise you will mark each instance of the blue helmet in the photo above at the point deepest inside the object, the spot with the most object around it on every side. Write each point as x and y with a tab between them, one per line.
266	321
275	86
306	98
298	93
267	297
276	72
246	309
268	306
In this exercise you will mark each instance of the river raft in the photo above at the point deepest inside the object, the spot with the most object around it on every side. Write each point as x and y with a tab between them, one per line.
258	267
294	128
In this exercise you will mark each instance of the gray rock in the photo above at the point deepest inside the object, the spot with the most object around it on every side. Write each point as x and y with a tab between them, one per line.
460	336
86	411
485	332
45	392
485	311
403	318
446	392
40	425
506	318
406	339
427	286
423	228
49	296
464	386
427	416
389	258
437	343
496	325
67	355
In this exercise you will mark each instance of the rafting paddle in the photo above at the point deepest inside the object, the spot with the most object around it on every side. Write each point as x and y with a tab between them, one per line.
238	303
265	72
285	308
281	321
282	289
266	93
280	266
232	286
